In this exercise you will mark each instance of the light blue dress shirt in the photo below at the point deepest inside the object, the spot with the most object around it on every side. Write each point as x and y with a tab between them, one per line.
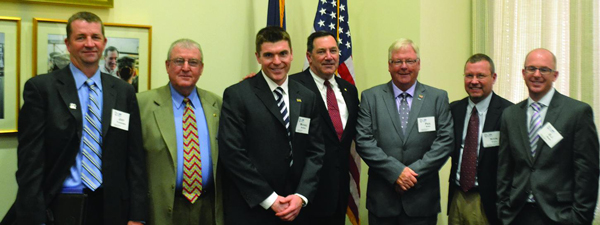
73	183
203	136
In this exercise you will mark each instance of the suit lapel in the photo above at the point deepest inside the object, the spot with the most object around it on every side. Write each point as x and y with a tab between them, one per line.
263	92
415	107
492	116
109	96
211	113
295	105
164	117
68	92
348	100
309	82
390	103
521	120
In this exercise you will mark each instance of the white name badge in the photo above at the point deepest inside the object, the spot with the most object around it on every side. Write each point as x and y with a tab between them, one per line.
120	120
426	124
491	139
303	125
550	135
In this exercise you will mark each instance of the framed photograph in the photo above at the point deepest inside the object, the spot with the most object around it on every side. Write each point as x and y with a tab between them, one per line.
10	49
95	3
127	54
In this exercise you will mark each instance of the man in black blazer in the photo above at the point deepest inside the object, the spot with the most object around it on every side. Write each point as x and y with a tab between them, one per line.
50	152
270	140
331	200
548	159
472	190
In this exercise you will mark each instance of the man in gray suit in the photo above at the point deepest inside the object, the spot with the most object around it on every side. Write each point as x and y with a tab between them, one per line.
548	157
404	134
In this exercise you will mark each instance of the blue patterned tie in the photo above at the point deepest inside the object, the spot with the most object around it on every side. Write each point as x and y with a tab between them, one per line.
286	117
534	126
92	140
404	110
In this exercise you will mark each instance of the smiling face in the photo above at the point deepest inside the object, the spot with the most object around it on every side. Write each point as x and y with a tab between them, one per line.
110	60
479	80
403	74
539	84
324	58
183	77
85	44
275	59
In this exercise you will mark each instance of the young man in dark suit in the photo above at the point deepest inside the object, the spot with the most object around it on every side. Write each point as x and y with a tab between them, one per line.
270	140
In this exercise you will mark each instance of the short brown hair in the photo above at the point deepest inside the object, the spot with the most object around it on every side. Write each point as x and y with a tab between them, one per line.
482	57
272	34
88	17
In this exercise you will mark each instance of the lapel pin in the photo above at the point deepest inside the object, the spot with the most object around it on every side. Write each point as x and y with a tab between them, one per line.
298	100
73	106
345	89
420	97
214	115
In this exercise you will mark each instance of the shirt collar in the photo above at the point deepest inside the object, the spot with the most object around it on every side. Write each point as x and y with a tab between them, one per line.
483	105
273	85
545	101
80	77
178	98
321	82
410	91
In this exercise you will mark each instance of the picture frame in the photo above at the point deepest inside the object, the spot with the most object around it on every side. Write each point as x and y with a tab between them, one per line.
134	41
93	3
10	64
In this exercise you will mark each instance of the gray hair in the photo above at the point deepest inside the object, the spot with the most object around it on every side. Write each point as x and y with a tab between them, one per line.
400	44
188	44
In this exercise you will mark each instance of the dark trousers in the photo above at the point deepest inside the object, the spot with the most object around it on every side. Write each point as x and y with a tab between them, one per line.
531	214
402	219
201	212
77	209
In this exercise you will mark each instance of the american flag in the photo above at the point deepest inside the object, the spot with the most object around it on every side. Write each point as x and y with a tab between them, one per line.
276	13
332	16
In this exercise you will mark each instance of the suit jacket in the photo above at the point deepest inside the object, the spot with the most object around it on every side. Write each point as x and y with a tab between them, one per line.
334	182
255	149
564	178
487	161
382	145
160	143
50	128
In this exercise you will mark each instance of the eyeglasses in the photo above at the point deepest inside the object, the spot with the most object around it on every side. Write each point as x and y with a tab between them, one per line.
191	62
478	76
409	62
543	70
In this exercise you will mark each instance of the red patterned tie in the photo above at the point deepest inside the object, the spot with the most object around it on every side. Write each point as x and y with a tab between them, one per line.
334	111
192	167
468	166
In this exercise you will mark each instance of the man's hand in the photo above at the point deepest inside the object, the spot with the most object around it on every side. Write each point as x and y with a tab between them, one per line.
407	179
398	189
250	75
134	223
291	212
278	206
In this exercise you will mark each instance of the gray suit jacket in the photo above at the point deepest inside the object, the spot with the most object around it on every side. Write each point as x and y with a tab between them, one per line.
563	179
160	143
387	151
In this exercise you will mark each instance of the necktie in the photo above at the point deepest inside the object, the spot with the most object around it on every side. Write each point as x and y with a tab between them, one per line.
468	166
286	117
404	110
534	126
92	140
334	111
192	167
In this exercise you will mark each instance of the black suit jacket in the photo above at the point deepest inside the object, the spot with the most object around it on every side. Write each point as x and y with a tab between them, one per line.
254	149
488	157
49	136
334	182
563	179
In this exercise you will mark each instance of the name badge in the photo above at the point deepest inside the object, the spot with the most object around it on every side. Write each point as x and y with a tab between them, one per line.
426	124
120	120
303	125
550	135
491	139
